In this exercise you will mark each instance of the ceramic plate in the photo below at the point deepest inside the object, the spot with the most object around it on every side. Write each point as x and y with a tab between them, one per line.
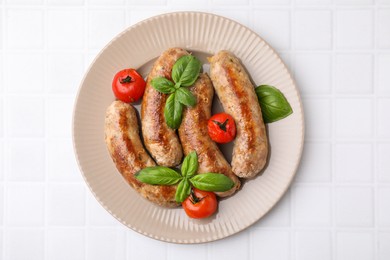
137	47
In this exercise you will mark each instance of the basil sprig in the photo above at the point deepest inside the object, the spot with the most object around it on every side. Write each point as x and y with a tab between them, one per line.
274	105
159	175
185	72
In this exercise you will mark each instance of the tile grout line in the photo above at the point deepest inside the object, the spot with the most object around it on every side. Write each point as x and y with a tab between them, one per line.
333	234
46	124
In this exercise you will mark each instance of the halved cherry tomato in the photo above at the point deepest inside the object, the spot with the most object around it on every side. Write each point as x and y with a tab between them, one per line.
128	85
200	204
222	128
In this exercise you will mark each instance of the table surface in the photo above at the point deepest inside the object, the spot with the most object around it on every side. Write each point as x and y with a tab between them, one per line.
338	206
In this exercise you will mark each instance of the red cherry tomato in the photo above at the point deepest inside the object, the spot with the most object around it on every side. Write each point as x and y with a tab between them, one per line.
200	204
128	85
222	128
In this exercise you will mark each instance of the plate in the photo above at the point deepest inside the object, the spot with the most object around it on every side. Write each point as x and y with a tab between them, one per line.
137	47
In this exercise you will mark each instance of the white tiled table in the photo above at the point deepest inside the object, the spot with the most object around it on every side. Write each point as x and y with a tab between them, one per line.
339	204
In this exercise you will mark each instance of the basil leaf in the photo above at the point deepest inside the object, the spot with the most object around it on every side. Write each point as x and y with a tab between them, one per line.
163	85
173	111
212	182
186	97
183	190
186	70
274	105
190	165
158	175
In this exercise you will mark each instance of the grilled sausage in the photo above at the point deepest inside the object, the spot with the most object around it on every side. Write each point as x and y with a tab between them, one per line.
194	136
160	140
238	98
126	150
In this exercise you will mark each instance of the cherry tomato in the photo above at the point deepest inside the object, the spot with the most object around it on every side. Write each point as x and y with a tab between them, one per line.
128	85
222	128
200	204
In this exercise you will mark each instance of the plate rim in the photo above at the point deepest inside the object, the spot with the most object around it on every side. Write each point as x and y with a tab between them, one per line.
75	106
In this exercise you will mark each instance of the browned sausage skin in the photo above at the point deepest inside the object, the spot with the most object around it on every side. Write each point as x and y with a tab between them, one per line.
160	140
126	150
238	98
194	136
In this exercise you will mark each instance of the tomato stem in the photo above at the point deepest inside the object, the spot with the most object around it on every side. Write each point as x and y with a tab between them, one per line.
128	79
222	126
193	198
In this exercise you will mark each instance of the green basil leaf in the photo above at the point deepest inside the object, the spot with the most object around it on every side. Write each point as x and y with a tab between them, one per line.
212	182
185	97
190	165
158	175
163	85
186	70
183	190
173	111
274	105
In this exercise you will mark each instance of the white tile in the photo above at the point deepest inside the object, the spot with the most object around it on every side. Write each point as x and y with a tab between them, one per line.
106	2
313	2
313	73
1	63
383	151
66	2
138	247
312	205
276	34
22	244
354	245
353	2
65	29
350	115
383	29
313	245
188	2
26	160
25	116
24	73
273	244
147	2
2	209
383	1
24	29
316	163
354	73
261	2
103	26
383	118
353	162
24	2
24	205
313	29
66	205
230	2
279	216
180	252
1	119
318	117
97	215
60	117
354	29
106	243
238	15
383	206
384	245
231	248
382	73
354	206
64	244
62	162
2	160
71	65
